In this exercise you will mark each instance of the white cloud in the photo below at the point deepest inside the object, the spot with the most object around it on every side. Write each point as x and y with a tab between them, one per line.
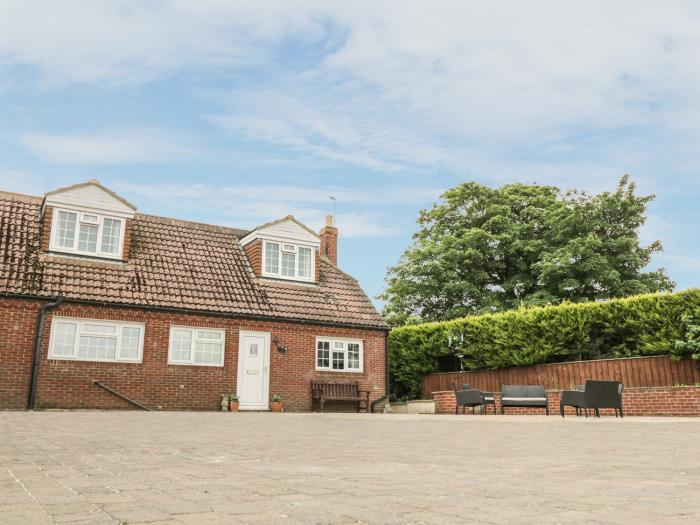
574	94
116	42
18	181
108	146
334	130
246	206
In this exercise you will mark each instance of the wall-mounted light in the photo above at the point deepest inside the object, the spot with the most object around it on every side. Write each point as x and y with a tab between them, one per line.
280	348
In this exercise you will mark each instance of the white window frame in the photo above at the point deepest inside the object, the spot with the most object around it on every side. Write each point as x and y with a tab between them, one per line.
281	244
80	332
345	342
193	340
80	219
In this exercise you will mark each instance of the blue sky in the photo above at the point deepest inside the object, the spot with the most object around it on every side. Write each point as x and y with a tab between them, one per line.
238	113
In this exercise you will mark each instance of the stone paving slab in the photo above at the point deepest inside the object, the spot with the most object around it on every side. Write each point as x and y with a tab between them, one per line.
93	467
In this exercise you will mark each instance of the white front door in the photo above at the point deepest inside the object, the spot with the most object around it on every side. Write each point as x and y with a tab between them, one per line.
254	370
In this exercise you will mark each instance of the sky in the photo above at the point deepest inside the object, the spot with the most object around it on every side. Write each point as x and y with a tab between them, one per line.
238	113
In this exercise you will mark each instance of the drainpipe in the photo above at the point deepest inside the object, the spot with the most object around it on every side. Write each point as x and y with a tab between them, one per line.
386	374
37	349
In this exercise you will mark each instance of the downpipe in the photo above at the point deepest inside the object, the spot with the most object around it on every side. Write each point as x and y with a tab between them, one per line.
37	349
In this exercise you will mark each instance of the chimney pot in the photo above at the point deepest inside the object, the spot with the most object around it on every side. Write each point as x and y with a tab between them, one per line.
329	220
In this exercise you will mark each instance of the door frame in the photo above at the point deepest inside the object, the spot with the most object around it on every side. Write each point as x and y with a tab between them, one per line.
266	370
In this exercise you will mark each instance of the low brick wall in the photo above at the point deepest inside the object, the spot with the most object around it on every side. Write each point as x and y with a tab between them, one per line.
643	401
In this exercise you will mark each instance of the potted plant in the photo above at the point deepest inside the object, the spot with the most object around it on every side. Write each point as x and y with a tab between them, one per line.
233	403
276	404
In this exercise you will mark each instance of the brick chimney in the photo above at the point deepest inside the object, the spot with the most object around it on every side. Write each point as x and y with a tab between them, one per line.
329	240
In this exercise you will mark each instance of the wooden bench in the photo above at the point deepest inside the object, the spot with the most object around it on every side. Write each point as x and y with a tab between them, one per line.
322	391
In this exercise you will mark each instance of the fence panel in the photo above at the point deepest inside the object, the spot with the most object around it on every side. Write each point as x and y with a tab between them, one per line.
632	372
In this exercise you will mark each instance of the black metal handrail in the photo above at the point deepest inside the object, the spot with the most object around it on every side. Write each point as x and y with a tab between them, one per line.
112	391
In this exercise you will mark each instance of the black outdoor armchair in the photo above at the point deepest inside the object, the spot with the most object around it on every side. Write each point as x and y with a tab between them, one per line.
467	398
595	395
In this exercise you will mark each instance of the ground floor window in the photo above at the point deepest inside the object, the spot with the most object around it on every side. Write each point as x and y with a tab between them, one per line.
338	354
95	340
196	346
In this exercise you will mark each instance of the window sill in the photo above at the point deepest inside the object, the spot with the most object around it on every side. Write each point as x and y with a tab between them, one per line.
173	363
106	361
81	257
339	372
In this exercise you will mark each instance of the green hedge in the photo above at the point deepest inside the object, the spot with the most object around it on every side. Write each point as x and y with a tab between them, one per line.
636	326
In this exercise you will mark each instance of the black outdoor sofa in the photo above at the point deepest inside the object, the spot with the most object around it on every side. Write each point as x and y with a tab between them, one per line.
593	395
524	396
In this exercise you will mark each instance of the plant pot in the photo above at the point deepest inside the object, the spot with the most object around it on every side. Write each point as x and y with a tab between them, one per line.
233	406
276	406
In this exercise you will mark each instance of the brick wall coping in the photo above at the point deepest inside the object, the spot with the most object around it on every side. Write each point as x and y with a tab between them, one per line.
630	389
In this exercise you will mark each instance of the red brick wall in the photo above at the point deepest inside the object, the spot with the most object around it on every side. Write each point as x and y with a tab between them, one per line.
329	243
642	401
155	383
317	267
17	331
46	228
127	239
254	252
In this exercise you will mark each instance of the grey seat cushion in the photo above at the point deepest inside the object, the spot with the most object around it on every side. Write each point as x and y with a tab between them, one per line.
523	395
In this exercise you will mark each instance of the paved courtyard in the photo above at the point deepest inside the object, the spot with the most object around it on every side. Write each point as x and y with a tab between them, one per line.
138	467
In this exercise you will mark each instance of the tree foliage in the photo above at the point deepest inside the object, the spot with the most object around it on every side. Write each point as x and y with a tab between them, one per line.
485	249
651	324
689	345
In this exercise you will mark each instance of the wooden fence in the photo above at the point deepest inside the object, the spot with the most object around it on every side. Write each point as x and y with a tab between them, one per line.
632	372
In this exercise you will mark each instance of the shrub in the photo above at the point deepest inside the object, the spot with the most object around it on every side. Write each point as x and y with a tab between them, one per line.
635	326
689	345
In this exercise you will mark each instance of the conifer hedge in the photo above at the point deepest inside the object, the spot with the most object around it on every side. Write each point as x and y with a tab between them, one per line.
636	326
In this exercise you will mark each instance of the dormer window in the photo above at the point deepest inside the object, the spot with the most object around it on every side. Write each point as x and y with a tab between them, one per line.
283	249
87	219
87	234
288	261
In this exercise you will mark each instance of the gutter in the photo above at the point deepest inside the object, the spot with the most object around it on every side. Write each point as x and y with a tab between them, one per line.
37	349
386	374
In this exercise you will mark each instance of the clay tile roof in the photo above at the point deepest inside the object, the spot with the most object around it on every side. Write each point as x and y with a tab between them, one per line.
172	264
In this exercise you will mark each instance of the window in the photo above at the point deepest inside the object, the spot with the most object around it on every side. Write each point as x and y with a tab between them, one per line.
65	236
323	353
288	261
110	235
95	340
305	262
272	257
88	238
338	354
288	264
87	233
196	346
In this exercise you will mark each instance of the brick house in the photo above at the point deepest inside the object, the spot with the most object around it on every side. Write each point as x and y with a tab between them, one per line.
170	313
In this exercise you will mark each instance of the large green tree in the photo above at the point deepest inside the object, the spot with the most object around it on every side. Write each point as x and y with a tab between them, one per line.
483	249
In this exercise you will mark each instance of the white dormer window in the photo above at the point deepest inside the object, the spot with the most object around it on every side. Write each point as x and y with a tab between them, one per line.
288	261
87	234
